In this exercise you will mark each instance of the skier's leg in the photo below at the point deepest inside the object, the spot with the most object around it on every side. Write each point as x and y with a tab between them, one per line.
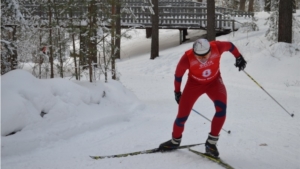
217	93
190	94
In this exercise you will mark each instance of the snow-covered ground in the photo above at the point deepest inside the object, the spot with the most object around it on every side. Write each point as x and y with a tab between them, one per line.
59	123
168	38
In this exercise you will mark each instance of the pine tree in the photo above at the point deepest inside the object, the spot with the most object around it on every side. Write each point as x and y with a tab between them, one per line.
12	21
272	20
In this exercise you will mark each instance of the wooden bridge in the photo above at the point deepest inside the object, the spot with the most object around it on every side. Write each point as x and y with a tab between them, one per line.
193	16
173	14
184	17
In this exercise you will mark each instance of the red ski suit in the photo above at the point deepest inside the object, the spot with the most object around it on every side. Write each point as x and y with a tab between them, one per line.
202	78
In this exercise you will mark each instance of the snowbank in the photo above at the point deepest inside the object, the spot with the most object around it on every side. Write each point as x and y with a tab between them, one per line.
57	108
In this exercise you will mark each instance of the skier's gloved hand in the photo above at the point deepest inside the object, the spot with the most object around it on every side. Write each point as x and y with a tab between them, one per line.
240	62
177	96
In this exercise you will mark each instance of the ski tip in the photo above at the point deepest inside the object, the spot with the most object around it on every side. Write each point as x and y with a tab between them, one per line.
95	157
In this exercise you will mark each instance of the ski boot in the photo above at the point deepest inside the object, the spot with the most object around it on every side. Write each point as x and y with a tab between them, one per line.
170	145
210	146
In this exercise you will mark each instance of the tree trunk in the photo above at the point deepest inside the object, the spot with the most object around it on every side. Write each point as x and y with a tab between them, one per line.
50	42
155	31
211	31
113	37
92	40
58	41
60	55
14	56
73	43
74	55
83	54
118	29
40	55
250	7
90	34
242	5
105	62
285	21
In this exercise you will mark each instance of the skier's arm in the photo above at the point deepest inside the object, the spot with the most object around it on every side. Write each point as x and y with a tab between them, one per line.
228	46
240	62
182	66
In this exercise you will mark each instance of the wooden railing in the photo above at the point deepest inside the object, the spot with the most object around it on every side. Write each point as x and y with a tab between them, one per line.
191	17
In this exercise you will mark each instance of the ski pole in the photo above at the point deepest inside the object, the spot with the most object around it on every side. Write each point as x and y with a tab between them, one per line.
292	115
210	120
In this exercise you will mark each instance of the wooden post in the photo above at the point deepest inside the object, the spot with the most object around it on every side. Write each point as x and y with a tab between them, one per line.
148	32
182	35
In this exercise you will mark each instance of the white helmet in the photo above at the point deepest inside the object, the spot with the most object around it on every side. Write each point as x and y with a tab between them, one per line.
201	47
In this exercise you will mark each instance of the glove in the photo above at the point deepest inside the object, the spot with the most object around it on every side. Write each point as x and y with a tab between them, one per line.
240	62
177	96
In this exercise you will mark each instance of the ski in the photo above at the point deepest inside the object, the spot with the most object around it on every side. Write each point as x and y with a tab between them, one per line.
154	150
213	159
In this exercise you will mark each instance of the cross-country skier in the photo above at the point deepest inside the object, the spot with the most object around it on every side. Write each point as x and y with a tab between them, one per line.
203	63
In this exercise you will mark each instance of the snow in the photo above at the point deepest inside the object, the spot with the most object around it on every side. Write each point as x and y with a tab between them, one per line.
137	112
